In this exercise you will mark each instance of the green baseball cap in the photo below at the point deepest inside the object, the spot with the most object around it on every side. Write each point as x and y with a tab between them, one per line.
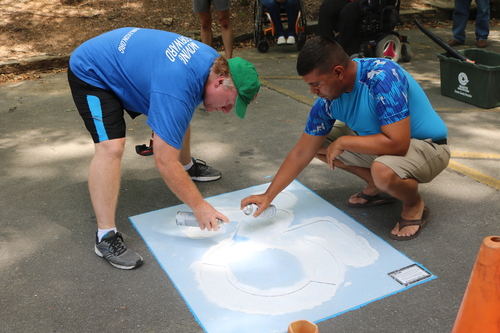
246	80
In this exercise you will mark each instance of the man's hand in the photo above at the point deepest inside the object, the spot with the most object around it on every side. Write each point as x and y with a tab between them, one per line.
208	216
261	200
332	152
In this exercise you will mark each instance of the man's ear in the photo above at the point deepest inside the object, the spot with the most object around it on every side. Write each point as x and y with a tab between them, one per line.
219	81
339	71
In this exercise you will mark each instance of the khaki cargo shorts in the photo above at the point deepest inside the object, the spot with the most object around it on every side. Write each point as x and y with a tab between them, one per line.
424	160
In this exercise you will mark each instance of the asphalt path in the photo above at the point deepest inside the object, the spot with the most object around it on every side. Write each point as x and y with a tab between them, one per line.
51	280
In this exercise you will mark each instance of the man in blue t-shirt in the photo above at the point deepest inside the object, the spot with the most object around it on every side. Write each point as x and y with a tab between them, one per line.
373	120
164	76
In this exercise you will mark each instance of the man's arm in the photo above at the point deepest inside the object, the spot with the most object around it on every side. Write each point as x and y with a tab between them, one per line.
178	180
394	140
298	158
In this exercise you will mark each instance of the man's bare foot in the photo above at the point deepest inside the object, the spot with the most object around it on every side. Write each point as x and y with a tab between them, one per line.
410	214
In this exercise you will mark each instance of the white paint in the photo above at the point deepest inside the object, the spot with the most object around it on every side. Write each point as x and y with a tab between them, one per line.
197	233
266	259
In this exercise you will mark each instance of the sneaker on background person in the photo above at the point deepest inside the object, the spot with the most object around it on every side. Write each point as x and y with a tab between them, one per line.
201	172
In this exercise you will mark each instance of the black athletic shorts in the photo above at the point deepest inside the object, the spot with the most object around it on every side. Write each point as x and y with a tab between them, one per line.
101	110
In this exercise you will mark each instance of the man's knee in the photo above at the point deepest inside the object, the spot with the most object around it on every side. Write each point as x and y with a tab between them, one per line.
383	176
206	20
111	148
224	20
206	25
225	24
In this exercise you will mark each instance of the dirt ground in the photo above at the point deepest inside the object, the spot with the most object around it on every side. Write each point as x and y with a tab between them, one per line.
32	28
55	27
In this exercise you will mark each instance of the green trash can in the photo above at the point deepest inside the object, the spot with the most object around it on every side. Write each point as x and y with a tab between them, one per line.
475	83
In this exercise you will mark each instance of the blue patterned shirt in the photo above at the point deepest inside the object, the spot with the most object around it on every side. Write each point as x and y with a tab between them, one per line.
383	93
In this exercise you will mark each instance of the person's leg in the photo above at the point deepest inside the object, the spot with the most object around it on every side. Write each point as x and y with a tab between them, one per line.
363	173
349	27
104	185
102	113
328	19
104	180
273	7
405	190
460	18
482	19
291	8
206	27
197	169
227	32
400	175
381	179
401	184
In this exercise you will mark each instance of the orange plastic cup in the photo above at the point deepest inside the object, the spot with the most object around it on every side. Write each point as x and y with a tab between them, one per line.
302	326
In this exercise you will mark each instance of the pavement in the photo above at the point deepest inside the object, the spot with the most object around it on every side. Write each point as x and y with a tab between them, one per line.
52	281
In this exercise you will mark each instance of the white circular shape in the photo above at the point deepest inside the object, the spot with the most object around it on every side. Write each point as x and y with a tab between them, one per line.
463	79
313	278
270	272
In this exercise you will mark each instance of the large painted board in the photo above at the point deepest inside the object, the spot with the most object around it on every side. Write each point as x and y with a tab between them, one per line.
311	261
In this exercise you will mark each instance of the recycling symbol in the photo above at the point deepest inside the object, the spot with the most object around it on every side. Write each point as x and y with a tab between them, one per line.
463	79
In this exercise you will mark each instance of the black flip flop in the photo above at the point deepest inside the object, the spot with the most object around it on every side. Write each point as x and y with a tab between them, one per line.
426	214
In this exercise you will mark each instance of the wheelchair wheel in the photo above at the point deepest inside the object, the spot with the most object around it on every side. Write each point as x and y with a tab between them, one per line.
263	46
405	52
258	32
301	40
389	47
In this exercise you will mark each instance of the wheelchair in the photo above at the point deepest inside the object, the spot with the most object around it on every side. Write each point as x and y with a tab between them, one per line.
377	35
264	31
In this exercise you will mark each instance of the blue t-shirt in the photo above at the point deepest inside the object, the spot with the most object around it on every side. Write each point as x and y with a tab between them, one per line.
383	93
154	72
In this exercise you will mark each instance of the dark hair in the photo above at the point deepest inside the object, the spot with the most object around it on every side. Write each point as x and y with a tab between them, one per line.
321	53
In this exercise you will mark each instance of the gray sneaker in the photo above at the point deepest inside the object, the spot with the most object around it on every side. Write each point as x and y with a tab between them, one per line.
201	172
113	250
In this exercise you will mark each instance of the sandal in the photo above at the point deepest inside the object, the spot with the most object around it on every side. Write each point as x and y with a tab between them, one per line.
405	223
372	200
